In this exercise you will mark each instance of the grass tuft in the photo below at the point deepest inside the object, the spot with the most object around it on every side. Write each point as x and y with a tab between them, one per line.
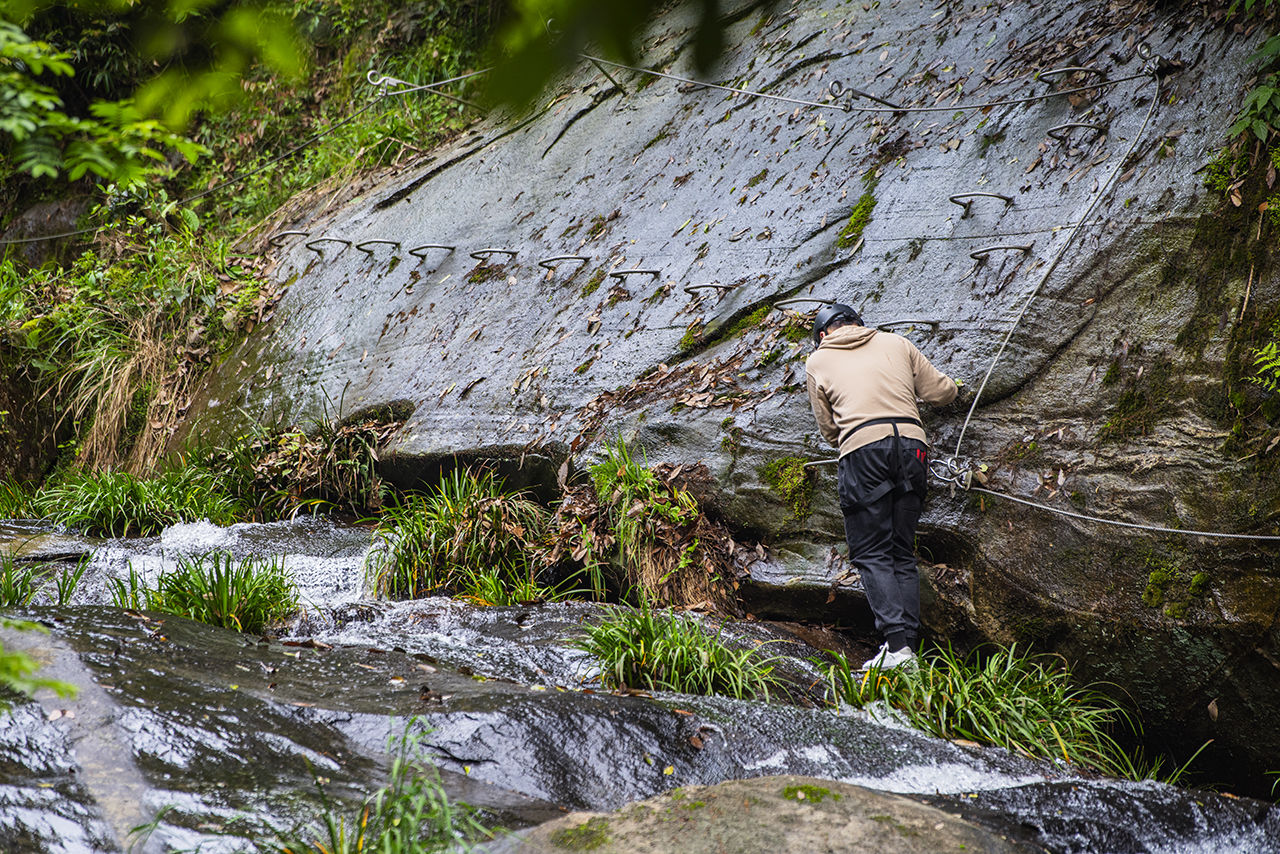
1021	701
466	536
118	504
247	594
640	648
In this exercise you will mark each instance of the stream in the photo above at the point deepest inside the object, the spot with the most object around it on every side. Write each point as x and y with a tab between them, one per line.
219	739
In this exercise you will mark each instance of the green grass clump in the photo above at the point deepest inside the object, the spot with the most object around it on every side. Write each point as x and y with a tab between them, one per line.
15	500
465	536
118	504
412	814
214	588
1020	701
640	648
21	582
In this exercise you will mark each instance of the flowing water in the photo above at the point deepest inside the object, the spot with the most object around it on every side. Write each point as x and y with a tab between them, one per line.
226	737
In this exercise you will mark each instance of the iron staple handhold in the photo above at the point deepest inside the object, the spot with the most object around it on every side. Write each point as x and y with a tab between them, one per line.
550	263
933	324
965	200
782	303
717	286
377	240
277	239
421	251
622	274
311	244
979	254
1060	131
830	462
483	254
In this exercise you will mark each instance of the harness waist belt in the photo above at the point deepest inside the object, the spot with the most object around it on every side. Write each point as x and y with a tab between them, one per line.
895	420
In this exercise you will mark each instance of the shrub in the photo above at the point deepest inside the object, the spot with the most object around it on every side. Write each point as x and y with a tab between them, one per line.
118	504
445	540
215	588
1020	701
411	815
651	529
279	472
656	650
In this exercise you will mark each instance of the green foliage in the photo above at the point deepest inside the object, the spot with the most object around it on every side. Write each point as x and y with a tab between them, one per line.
859	216
635	496
147	312
466	535
19	582
640	648
114	141
530	52
1227	166
1020	701
278	472
215	588
15	499
411	815
118	504
1266	363
17	669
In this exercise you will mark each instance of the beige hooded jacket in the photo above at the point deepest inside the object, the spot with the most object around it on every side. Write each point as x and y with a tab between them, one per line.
858	374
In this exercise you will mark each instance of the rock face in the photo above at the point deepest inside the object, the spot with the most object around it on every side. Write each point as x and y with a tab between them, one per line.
222	740
572	303
765	815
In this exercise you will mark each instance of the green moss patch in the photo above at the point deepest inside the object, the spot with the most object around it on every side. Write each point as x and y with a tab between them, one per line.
592	284
859	216
585	837
1146	398
790	479
810	793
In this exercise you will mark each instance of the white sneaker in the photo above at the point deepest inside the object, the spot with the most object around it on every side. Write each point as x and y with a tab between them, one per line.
886	660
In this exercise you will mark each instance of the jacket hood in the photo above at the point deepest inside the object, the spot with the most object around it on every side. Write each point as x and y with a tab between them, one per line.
847	338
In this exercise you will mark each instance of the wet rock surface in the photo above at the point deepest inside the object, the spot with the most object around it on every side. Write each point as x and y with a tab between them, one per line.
502	358
221	738
764	815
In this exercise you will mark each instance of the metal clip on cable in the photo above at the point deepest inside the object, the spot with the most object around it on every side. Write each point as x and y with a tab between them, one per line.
277	239
980	255
483	254
363	246
965	200
550	263
1060	132
313	245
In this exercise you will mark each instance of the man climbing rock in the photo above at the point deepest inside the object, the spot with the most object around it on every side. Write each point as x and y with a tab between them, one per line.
863	385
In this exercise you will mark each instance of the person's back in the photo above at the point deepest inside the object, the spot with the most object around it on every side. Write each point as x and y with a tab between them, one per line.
863	385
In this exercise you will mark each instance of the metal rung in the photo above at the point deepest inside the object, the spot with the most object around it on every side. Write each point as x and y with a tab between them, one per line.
622	274
1061	131
311	244
550	263
710	286
965	200
376	241
979	254
829	462
783	303
483	254
421	251
1073	69
933	324
277	239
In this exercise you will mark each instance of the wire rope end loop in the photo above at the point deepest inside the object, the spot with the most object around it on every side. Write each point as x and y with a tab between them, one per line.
277	239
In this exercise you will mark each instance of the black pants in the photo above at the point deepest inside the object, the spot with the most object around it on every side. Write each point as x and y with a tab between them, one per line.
882	488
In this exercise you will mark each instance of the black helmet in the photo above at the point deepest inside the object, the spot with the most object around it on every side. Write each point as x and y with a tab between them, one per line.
829	315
